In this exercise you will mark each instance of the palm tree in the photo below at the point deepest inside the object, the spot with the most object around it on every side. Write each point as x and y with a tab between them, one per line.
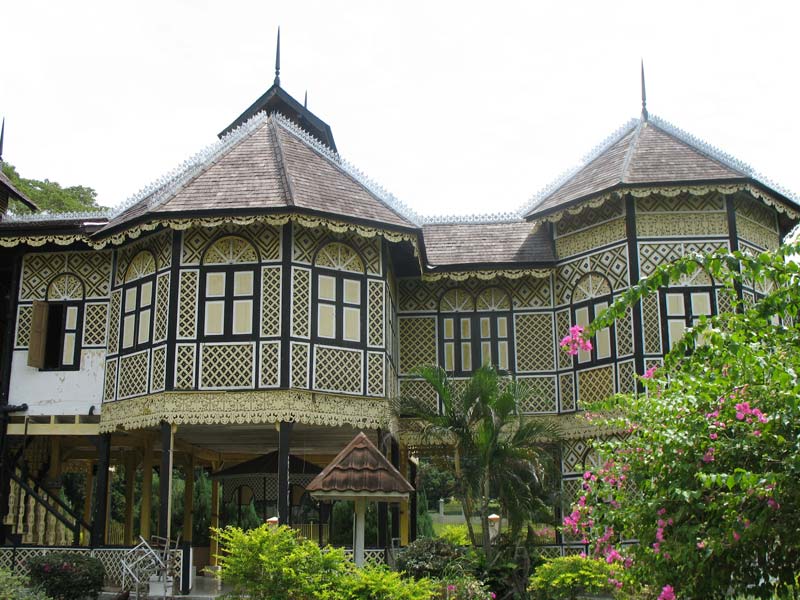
494	448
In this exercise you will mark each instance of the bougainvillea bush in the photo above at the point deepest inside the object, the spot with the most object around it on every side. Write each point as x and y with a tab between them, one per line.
707	475
67	575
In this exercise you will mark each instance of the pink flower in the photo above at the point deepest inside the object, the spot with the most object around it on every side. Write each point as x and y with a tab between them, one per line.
650	372
756	433
772	504
713	436
493	595
451	588
662	511
576	330
709	455
736	536
701	545
667	593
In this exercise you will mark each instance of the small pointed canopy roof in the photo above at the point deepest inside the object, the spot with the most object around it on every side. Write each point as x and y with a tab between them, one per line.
645	152
7	189
268	164
267	465
277	100
360	470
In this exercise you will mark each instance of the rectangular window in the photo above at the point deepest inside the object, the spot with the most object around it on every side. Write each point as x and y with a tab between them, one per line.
228	302
481	339
54	339
339	311
683	310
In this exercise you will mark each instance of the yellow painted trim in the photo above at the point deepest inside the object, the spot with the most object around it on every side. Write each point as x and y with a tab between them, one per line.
54	428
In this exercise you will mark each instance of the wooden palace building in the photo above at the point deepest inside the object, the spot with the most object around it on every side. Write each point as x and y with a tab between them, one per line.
254	310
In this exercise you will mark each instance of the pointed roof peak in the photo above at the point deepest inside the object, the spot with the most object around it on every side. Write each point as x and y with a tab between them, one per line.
278	59
2	136
644	96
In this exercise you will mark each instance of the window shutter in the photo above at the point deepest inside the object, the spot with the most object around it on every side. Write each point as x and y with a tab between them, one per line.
36	346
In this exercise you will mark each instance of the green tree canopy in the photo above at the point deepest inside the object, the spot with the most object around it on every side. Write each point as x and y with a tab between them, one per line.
50	196
706	478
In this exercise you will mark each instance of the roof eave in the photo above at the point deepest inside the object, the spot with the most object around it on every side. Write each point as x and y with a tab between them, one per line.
621	187
487	266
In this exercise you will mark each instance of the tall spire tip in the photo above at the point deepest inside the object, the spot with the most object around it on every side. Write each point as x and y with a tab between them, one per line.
644	96
278	59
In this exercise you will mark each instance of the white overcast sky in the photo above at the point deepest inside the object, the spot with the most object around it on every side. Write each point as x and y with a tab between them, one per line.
454	107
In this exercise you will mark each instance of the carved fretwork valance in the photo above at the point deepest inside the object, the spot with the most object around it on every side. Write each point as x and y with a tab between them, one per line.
223	408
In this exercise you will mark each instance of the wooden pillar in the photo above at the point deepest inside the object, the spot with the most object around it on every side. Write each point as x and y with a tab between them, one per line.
383	507
145	508
284	441
98	534
165	480
214	544
395	459
87	500
412	477
130	480
111	471
188	501
405	521
358	531
54	470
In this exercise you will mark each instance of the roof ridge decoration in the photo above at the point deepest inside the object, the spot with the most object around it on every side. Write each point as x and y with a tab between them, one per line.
727	159
593	154
498	218
104	213
376	189
165	187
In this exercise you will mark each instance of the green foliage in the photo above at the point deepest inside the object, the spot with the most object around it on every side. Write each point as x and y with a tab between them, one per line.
495	451
274	563
270	563
67	576
465	587
569	577
456	535
424	521
437	481
15	587
50	196
706	480
431	557
376	583
342	534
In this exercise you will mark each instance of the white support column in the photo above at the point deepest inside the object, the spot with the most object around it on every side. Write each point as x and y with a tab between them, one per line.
358	532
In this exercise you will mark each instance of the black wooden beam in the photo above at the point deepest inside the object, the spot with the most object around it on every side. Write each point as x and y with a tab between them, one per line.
284	442
98	533
164	477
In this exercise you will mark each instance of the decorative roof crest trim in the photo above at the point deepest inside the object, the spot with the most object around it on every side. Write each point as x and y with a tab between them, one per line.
57	217
350	169
599	149
165	187
475	219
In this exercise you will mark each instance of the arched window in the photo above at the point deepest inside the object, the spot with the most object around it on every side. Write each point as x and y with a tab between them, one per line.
339	292
138	296
475	331
229	280
590	297
60	320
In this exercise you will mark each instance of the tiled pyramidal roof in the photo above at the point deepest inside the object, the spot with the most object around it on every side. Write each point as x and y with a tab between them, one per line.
640	153
360	468
267	163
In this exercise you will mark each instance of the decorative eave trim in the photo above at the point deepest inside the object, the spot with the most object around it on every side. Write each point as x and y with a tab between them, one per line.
486	274
671	191
180	224
250	407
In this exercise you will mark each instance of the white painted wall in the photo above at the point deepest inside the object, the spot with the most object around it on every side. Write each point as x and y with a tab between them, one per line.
58	392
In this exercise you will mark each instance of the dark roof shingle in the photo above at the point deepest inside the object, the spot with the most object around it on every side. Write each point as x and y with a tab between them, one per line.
472	244
360	468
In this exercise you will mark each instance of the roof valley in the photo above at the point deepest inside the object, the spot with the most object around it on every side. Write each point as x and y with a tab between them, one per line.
279	155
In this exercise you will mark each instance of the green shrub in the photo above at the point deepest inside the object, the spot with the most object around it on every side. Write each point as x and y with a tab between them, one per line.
568	577
274	562
376	583
456	535
67	576
430	557
15	587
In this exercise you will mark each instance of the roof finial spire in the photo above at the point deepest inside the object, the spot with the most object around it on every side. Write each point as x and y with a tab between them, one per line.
305	100
2	135
278	59
644	96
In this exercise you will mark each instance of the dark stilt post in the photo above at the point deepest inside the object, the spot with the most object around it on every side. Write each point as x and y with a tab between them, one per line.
165	481
284	440
383	507
98	533
412	475
395	458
